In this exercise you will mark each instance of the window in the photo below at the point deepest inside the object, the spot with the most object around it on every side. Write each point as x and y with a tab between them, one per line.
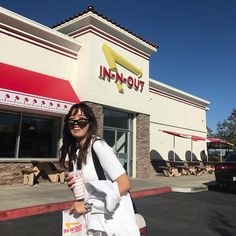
28	136
9	128
116	119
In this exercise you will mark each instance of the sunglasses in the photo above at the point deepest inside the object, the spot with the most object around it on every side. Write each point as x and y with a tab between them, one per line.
81	123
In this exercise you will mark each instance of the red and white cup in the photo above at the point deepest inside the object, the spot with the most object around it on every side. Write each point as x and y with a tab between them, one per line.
78	185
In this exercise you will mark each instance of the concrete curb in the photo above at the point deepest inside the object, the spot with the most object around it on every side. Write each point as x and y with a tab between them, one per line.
59	206
150	192
189	189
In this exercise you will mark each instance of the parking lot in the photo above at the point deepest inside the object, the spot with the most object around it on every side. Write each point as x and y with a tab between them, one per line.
207	213
204	213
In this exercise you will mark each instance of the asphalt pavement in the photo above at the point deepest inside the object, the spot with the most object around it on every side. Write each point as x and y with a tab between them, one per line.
23	200
208	213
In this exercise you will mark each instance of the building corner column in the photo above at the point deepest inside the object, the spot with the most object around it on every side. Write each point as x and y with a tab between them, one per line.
98	111
144	167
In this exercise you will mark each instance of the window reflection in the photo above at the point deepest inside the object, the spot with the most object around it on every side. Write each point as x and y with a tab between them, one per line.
117	131
38	137
116	119
28	136
9	126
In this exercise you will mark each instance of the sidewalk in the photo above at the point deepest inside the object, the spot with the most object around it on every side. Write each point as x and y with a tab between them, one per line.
22	200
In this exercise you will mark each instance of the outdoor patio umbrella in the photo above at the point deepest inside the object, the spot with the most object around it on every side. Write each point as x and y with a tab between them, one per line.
195	138
174	135
188	136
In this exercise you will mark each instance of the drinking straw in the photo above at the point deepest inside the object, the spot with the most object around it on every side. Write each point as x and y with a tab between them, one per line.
74	165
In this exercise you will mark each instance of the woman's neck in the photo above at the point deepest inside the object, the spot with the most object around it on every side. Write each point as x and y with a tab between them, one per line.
81	142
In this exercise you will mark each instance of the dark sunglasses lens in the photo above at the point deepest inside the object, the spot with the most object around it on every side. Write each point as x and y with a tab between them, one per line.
71	122
82	123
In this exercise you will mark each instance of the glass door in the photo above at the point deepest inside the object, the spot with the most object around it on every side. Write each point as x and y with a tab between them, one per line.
117	131
120	142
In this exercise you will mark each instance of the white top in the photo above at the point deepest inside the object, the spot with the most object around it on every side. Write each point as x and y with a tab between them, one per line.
110	163
120	219
111	213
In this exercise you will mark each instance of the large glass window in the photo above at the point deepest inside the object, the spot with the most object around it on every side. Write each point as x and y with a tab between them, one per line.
9	128
38	137
28	136
116	119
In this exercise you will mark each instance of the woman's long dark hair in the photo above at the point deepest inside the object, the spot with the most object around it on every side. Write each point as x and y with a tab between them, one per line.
69	145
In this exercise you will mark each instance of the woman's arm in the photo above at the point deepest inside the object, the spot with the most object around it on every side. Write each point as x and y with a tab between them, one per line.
124	184
110	164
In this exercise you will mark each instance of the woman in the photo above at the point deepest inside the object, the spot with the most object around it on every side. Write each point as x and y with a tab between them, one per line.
112	211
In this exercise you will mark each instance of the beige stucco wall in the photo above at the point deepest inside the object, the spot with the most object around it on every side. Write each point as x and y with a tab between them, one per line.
25	55
168	113
92	88
35	47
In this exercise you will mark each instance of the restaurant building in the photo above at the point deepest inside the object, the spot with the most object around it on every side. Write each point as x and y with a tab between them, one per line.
88	57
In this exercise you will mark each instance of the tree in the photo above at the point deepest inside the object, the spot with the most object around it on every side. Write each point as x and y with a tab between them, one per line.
210	132
226	130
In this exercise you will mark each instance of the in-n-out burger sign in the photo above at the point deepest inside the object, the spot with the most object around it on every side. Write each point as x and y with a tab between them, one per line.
113	58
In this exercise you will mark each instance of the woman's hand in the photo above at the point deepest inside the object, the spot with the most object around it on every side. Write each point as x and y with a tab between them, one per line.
70	181
79	207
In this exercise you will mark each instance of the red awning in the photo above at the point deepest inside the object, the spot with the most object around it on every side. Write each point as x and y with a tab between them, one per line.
173	133
29	89
216	140
189	136
196	138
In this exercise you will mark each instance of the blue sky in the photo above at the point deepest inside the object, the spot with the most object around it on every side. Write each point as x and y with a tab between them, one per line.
197	40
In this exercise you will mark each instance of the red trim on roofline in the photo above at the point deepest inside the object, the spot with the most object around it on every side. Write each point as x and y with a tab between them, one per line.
108	37
173	97
91	9
37	42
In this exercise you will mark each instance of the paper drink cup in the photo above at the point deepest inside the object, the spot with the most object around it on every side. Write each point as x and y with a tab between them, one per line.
79	184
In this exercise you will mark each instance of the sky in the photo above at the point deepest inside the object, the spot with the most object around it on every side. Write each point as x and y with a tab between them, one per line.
197	40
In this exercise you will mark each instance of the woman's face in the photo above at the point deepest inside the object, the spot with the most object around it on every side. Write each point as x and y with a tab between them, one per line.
78	125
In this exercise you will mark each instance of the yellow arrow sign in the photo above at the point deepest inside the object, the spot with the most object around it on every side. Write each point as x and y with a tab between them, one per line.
114	58
69	225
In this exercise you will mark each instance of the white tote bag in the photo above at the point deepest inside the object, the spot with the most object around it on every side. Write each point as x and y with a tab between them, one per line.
73	224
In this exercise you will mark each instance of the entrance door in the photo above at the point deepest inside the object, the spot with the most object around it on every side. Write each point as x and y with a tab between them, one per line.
117	131
120	141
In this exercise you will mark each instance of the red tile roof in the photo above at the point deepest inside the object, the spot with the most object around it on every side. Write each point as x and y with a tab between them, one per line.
91	9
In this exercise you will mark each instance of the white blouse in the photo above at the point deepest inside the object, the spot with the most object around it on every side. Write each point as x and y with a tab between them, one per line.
109	161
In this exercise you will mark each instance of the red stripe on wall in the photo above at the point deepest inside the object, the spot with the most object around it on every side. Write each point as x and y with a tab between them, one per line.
30	82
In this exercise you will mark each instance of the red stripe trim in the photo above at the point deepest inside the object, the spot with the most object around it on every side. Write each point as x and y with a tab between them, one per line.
30	82
102	34
155	91
150	192
38	42
35	210
108	20
188	136
40	209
